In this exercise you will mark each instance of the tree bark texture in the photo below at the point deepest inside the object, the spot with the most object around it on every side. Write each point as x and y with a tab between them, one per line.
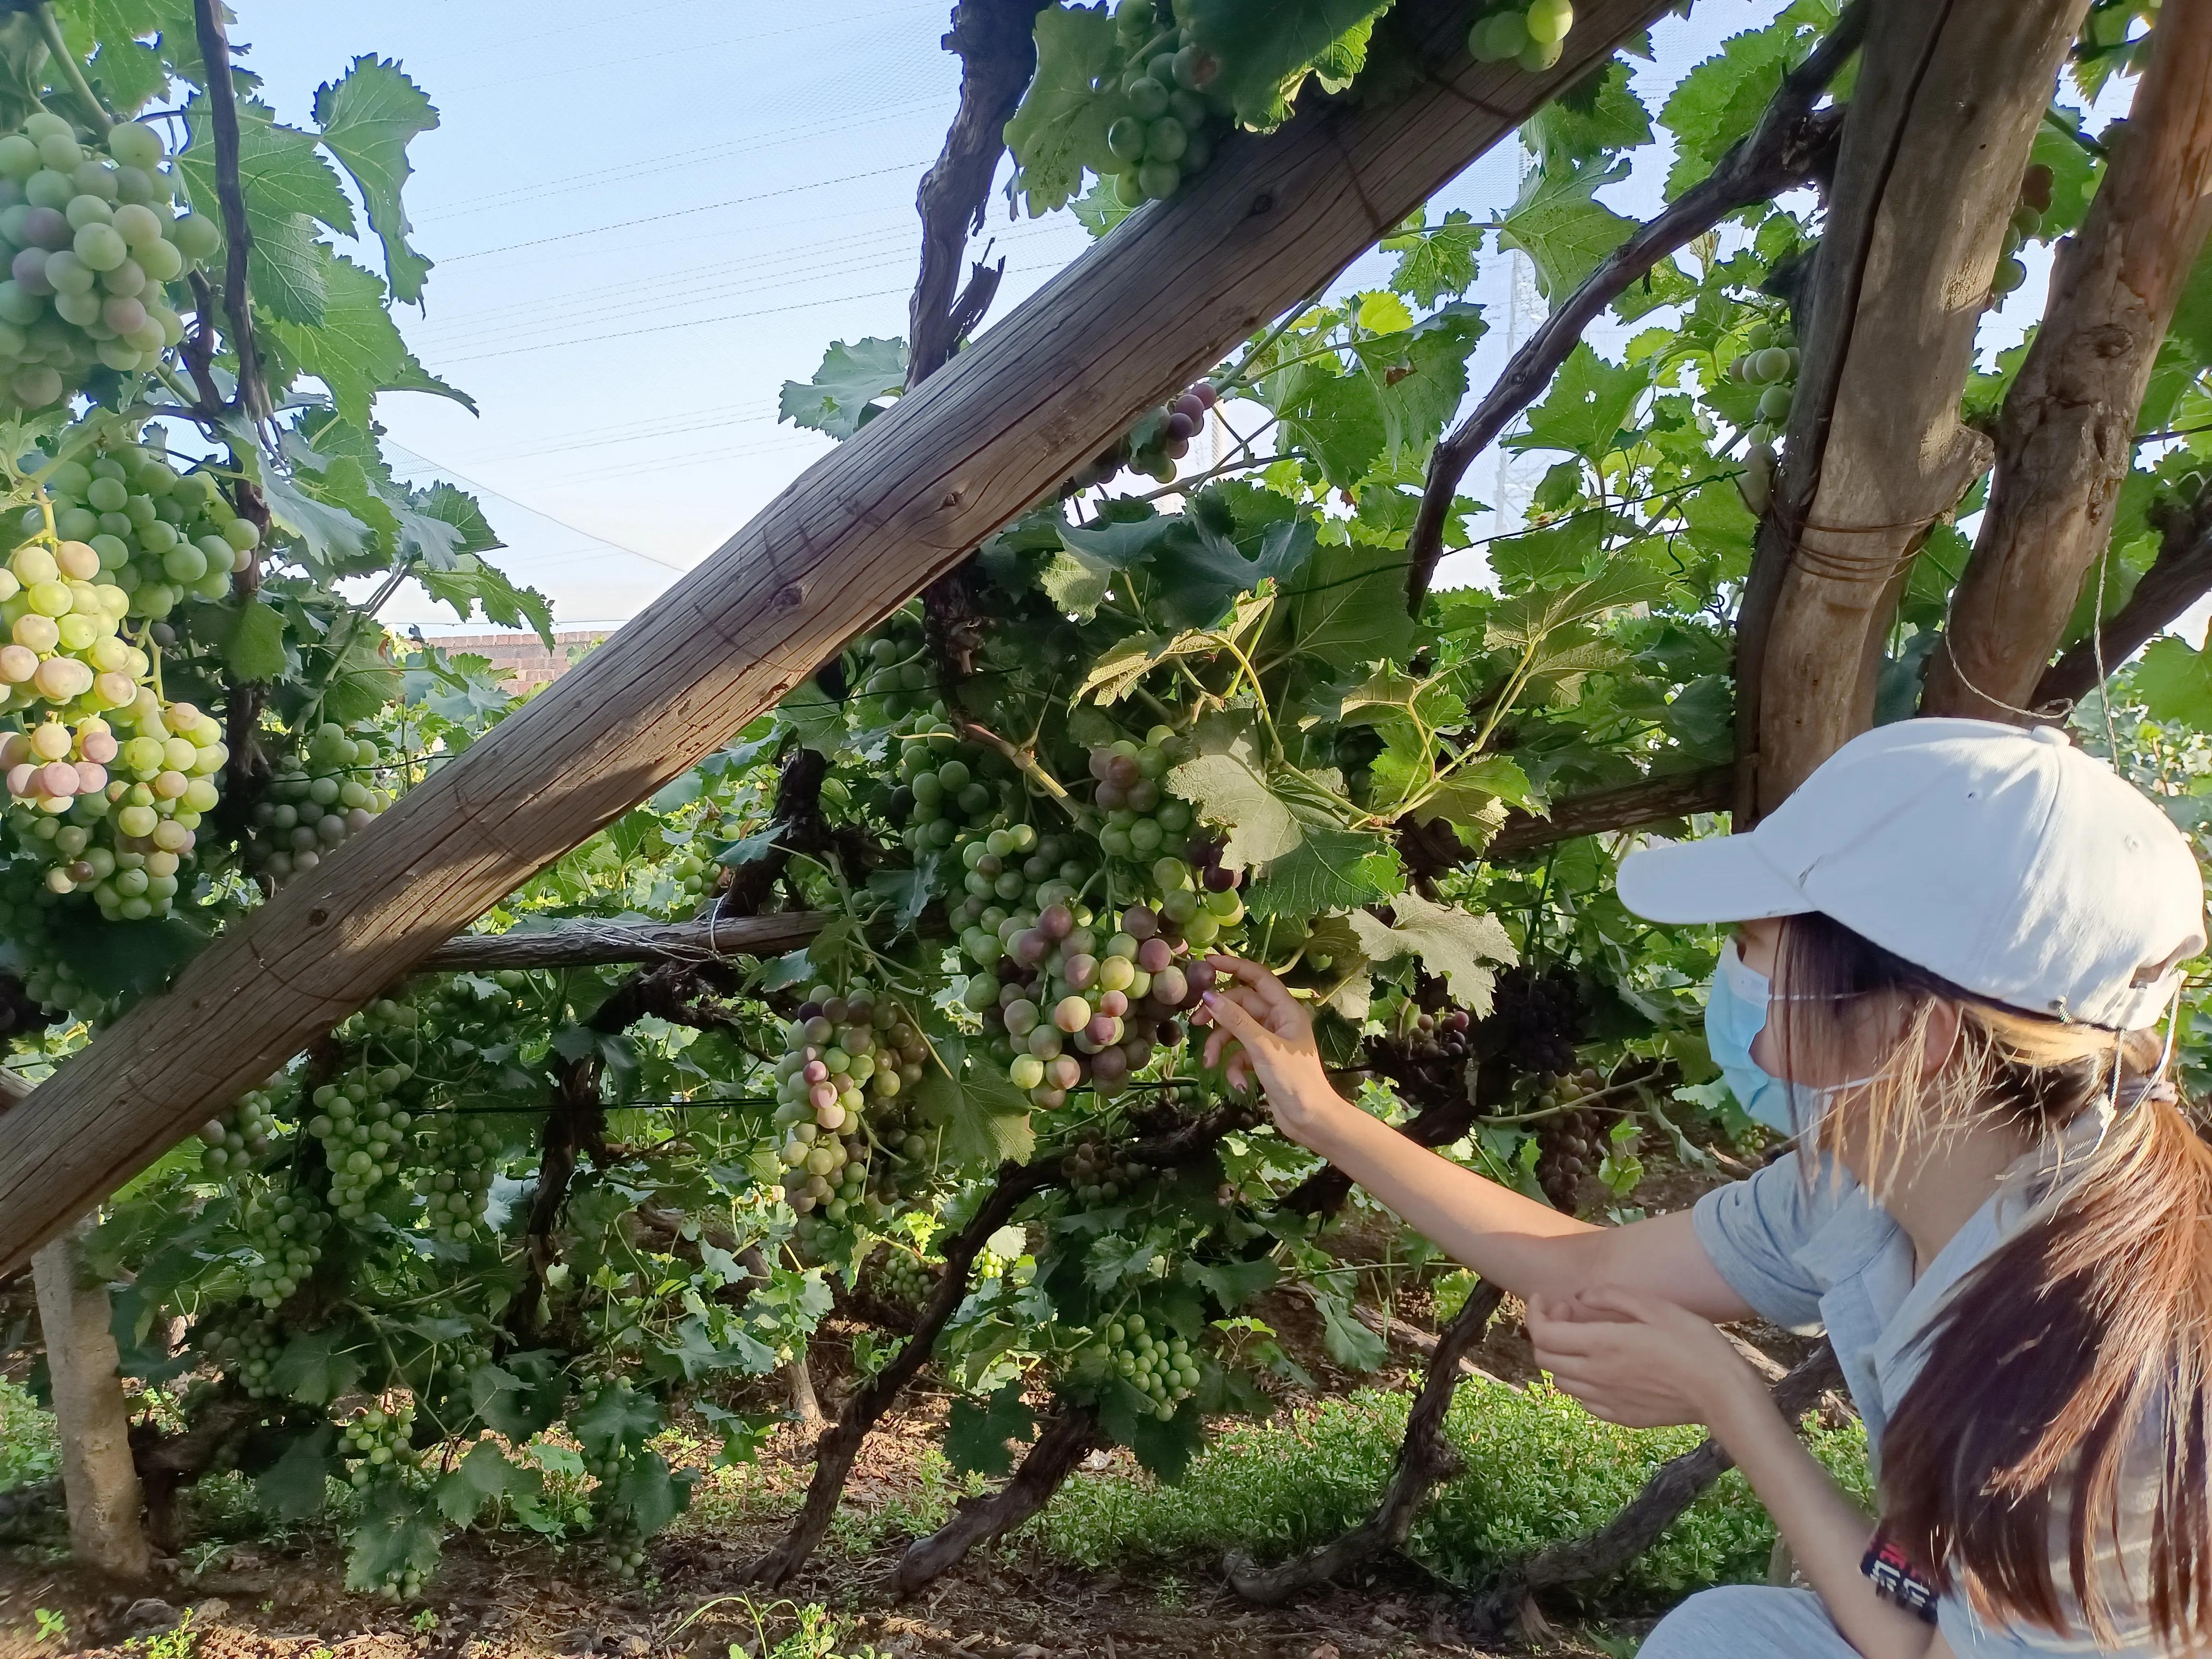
2067	435
1426	1459
864	528
1067	1439
585	943
1948	96
98	1475
1628	806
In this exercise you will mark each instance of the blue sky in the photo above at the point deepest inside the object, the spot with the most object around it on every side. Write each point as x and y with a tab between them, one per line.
642	231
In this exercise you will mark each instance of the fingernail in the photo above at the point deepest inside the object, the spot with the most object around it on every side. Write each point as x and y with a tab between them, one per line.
1207	998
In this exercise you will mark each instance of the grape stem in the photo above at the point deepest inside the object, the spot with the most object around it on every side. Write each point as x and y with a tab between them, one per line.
1574	1105
1027	764
72	72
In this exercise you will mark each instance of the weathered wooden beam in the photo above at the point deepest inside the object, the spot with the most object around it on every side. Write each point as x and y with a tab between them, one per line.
1625	806
2066	437
1947	102
584	943
1174	287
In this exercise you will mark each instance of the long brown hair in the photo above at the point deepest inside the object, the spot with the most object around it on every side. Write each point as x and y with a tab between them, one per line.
2073	1369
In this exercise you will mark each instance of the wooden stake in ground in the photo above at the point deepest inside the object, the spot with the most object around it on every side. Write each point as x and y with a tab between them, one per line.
97	1473
1176	284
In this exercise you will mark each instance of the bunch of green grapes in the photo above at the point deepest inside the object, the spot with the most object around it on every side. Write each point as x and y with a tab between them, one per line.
694	878
362	1124
904	1278
243	1344
39	926
125	842
1158	1363
458	1158
235	1140
1531	33
2034	201
331	793
1155	441
894	666
836	1059
1163	120
91	242
625	1550
285	1228
1769	360
1141	819
158	535
1097	1174
378	1439
946	786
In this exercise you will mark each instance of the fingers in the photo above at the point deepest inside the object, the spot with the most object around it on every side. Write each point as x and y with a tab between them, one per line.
1273	996
1618	1302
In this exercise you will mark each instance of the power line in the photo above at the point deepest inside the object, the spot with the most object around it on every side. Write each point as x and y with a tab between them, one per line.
499	494
680	213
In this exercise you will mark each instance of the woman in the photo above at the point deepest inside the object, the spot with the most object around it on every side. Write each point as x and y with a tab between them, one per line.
1954	947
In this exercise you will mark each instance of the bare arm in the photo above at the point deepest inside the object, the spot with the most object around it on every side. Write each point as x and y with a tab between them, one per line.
1642	1361
1528	1248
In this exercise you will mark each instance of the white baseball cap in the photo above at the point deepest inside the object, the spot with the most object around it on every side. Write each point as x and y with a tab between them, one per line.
2006	861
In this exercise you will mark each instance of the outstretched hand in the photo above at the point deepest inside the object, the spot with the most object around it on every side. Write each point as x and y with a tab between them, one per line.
1265	1036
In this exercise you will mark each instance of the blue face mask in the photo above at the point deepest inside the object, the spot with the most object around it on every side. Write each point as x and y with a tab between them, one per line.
1735	1013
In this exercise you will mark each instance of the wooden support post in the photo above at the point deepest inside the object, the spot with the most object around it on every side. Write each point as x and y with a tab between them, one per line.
866	526
98	1476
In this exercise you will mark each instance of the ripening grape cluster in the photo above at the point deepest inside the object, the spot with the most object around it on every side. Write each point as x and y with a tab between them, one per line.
324	796
1155	441
1531	33
1769	361
1570	1144
91	241
235	1140
1428	1061
2034	201
362	1124
64	619
1536	1018
1154	1363
896	668
835	1059
286	1228
378	1439
1163	120
459	1157
126	841
1098	1174
158	535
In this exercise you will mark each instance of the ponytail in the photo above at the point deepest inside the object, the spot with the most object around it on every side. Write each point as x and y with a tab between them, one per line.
2065	1405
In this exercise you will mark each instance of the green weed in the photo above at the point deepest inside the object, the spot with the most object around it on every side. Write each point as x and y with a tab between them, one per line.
30	1451
1539	1469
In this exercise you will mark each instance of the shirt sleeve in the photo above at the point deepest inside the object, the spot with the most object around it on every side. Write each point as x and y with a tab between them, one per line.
1752	1230
1972	1638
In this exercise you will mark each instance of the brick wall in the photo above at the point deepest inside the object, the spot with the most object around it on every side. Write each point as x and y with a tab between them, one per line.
528	664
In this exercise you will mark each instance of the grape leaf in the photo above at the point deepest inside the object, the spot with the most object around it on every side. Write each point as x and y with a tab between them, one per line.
1233	1282
394	1535
128	72
653	1494
1077	579
314	1368
357	352
1100	207
2175	683
284	269
1595	116
986	1118
1225	790
1327	870
253	642
1453	942
1262	43
1467	790
1522	621
1349	609
511	1401
281	169
980	1439
1438	260
332	538
813	716
1164	1450
1336	419
617	1416
293	1486
1061	127
1349	1343
1420	387
482	1475
367	119
1589	402
1204	570
843	390
1561	226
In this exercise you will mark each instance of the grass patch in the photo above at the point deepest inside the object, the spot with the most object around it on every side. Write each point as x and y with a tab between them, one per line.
1539	1469
30	1451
